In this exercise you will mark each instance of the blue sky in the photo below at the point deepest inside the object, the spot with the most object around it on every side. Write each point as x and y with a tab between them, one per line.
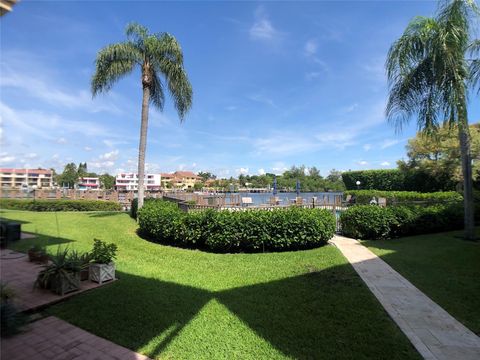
275	84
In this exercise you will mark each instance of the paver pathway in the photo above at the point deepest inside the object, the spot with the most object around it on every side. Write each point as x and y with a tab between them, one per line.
55	339
20	275
433	331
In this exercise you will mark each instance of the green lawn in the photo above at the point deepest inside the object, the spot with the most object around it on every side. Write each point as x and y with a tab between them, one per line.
174	303
443	266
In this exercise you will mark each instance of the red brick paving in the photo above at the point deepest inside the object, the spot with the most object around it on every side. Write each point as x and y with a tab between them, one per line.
55	339
20	275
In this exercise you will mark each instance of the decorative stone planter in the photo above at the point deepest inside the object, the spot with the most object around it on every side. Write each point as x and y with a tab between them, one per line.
102	272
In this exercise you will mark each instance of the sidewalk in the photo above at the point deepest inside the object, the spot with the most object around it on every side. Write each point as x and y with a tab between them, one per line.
433	332
55	339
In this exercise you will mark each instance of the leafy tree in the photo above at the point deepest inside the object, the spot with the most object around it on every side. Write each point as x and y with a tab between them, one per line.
82	170
157	56
429	75
437	157
206	175
69	176
107	181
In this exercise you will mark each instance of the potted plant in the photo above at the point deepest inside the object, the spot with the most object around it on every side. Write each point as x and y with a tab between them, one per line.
37	253
82	260
102	267
61	276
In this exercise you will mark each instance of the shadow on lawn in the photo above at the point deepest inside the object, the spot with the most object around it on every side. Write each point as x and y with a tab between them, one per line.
304	317
106	214
2	219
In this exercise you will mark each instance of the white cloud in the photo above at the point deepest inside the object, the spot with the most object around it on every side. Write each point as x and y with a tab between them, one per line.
388	143
312	75
385	163
310	48
262	28
112	155
261	172
367	147
25	72
31	156
6	159
362	163
262	99
242	171
87	148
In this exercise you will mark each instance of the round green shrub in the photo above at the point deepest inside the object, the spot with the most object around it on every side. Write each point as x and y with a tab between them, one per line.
237	231
374	222
366	222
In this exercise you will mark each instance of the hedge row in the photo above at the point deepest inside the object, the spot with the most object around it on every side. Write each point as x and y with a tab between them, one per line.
374	179
393	197
374	222
398	180
59	205
236	231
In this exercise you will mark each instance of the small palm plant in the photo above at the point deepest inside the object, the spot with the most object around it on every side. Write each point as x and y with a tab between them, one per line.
61	275
157	56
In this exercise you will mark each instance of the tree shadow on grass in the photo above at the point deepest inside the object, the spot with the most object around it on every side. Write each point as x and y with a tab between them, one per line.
135	310
105	214
23	245
305	317
4	220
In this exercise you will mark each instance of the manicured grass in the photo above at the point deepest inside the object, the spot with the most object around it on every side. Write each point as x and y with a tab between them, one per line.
443	266
175	303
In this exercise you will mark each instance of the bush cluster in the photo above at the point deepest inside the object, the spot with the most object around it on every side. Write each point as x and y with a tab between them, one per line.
374	222
236	231
395	197
59	205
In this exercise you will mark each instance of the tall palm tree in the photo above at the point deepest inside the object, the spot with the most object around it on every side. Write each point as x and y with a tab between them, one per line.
157	56
429	76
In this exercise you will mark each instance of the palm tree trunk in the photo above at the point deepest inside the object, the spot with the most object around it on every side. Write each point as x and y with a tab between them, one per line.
143	145
464	136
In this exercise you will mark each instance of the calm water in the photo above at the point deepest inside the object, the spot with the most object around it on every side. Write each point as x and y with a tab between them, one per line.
288	198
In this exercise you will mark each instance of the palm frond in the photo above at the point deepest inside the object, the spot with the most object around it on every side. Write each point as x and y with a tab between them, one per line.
112	63
137	34
157	95
475	65
178	85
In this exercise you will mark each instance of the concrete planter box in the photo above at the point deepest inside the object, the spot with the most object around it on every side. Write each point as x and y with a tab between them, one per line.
101	272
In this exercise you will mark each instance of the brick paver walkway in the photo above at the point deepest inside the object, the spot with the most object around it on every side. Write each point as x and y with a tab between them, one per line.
20	275
433	332
55	339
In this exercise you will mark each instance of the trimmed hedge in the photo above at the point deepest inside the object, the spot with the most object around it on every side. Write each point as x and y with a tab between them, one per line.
374	222
236	231
364	196
134	206
59	205
374	179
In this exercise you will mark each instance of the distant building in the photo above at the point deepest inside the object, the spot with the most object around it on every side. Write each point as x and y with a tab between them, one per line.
180	180
26	178
129	181
88	183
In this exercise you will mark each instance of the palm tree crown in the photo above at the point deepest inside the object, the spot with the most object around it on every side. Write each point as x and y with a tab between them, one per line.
157	56
429	75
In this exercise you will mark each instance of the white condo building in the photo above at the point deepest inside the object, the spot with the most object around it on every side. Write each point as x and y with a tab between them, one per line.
129	181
